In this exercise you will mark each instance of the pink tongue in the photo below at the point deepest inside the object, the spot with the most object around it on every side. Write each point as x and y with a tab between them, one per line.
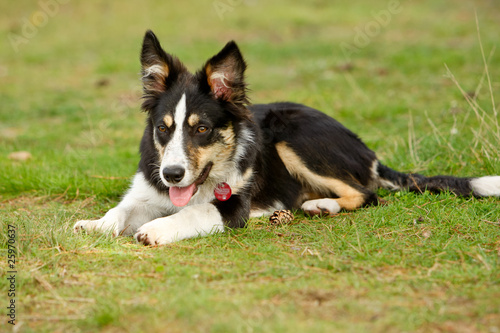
180	196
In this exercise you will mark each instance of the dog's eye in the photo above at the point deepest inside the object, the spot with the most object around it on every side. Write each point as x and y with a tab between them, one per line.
202	129
162	128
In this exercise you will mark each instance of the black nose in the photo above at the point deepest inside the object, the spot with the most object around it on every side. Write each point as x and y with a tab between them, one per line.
174	174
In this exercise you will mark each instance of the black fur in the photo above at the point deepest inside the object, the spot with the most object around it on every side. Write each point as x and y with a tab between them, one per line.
419	183
234	211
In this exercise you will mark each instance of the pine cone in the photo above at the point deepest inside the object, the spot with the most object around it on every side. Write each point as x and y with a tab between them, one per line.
280	217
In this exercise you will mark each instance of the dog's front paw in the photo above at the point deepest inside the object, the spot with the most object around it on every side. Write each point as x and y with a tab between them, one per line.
83	225
193	221
113	222
96	225
145	239
156	232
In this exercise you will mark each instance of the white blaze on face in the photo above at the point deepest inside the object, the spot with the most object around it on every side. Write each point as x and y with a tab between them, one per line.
175	153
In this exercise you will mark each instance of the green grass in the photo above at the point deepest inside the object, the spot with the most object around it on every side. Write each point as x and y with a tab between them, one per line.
422	263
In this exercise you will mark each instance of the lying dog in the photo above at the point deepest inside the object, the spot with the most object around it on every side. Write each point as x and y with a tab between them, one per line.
208	160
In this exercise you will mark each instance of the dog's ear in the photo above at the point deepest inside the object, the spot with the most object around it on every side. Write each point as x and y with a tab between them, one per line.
225	74
159	68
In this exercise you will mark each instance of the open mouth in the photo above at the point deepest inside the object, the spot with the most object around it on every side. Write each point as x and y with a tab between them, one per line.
180	196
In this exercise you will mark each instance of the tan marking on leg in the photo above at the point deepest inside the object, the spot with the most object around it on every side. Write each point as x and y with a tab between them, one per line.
193	120
168	120
351	202
307	195
349	197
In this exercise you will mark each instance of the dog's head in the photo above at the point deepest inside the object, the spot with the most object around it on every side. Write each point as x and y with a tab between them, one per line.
195	120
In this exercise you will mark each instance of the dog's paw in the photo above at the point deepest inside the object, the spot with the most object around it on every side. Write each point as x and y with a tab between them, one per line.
146	238
157	232
192	221
321	207
96	225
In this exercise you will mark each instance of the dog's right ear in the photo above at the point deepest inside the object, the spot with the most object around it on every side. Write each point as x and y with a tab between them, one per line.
159	69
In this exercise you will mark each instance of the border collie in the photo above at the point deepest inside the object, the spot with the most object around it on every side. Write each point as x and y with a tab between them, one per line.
209	160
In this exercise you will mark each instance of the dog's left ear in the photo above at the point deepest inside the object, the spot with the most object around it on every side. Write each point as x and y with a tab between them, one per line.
225	74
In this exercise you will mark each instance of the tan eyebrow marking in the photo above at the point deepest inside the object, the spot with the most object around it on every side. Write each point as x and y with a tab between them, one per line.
193	120
168	120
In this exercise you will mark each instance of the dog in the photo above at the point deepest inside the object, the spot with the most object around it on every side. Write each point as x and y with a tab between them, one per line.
210	160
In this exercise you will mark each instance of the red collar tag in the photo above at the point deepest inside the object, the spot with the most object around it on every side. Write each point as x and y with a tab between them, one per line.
222	192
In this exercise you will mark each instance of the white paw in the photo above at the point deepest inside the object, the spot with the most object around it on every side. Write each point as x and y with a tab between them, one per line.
101	225
111	222
159	232
321	207
193	221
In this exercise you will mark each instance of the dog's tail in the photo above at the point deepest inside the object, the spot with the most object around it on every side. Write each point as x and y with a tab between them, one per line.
478	187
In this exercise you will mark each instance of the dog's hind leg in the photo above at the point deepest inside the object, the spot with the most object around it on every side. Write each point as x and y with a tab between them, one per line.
335	194
324	206
349	198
